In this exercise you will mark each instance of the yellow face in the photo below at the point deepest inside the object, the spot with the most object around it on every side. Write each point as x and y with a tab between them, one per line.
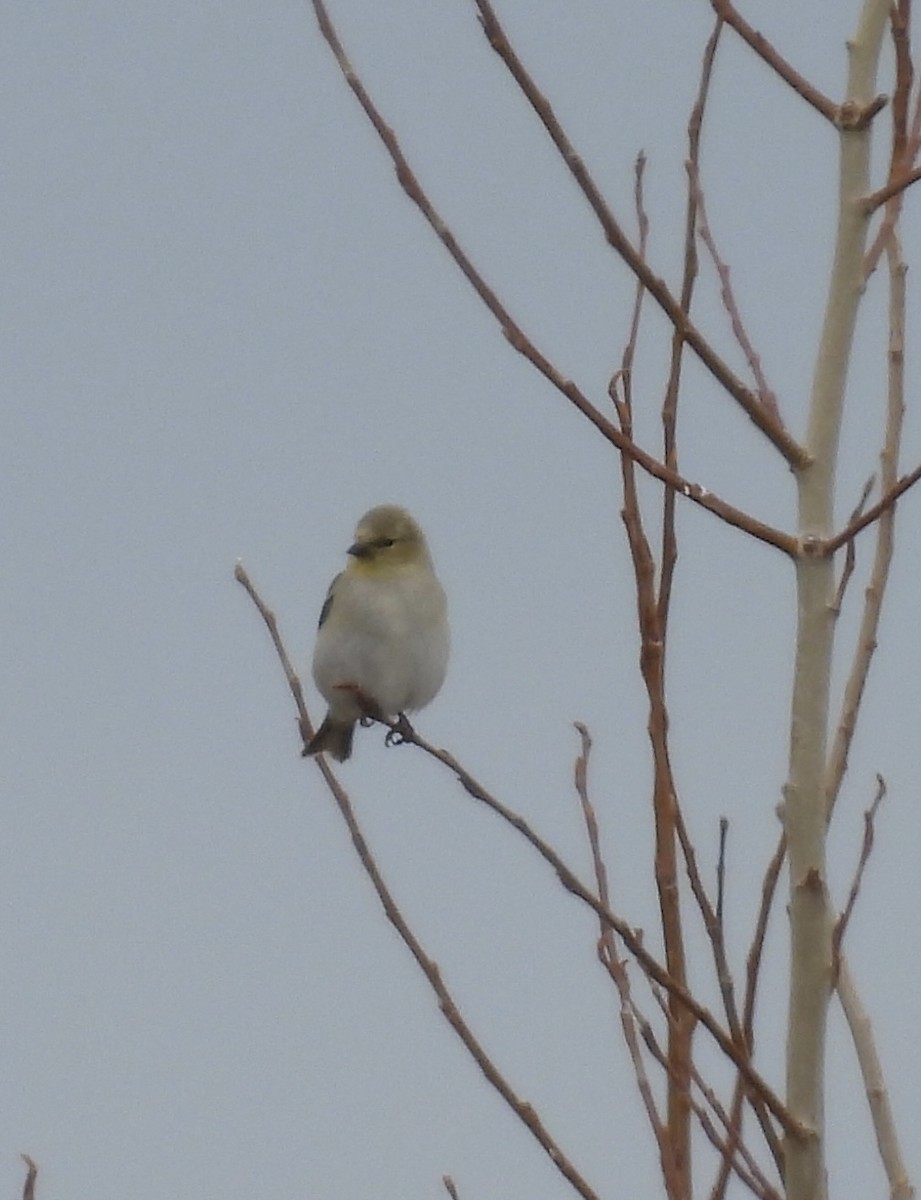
387	537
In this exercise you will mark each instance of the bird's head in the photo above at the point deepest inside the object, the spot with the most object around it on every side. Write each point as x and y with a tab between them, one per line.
387	537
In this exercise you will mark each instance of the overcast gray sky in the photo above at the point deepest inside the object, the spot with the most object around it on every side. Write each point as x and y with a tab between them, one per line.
225	334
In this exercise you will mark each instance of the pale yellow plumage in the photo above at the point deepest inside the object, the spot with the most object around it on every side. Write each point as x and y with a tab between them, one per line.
383	629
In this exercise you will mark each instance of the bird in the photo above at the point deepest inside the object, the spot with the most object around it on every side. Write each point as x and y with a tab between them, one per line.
383	635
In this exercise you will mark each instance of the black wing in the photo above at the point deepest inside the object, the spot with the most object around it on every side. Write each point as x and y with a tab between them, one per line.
328	602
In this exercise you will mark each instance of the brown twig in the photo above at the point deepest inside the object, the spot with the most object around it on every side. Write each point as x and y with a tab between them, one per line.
865	850
721	873
714	930
877	510
885	530
617	970
905	140
449	1187
669	554
294	684
893	188
664	800
730	304
792	451
775	60
631	939
752	975
849	554
28	1188
728	1149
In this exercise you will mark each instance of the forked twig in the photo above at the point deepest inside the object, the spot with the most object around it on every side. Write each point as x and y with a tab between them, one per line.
893	188
865	850
617	970
879	509
730	304
730	1148
714	930
850	555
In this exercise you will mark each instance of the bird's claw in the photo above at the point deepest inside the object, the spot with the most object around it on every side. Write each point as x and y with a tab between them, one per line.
399	732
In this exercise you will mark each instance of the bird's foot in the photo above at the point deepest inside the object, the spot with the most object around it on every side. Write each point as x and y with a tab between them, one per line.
399	732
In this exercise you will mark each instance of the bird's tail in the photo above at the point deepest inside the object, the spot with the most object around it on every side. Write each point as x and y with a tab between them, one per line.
333	737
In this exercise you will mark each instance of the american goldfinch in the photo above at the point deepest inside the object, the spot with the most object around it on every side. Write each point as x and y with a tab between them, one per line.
383	629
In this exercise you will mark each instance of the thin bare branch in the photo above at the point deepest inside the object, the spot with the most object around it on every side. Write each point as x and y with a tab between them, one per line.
714	931
449	1187
792	451
905	140
617	970
775	60
849	554
885	530
730	304
294	683
631	939
900	1187
664	803
756	950
865	851
877	510
730	1152
893	188
721	873
28	1187
669	554
752	975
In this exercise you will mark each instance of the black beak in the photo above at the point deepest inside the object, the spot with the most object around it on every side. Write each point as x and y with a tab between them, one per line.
360	550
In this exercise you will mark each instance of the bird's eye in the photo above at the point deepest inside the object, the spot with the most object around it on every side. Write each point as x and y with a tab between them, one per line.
385	543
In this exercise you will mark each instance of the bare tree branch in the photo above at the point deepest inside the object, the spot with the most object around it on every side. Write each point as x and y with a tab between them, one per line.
730	1148
617	970
775	60
866	849
795	455
876	199
765	392
669	554
887	1141
28	1188
876	510
885	530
